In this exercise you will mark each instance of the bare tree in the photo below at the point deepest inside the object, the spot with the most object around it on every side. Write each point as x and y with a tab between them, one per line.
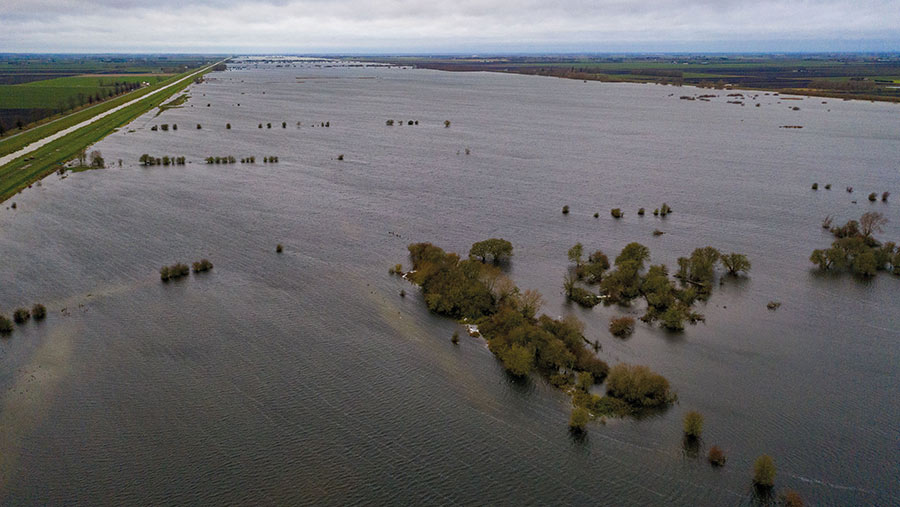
872	222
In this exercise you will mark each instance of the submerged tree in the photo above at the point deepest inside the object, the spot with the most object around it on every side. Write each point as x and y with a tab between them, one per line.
735	263
764	471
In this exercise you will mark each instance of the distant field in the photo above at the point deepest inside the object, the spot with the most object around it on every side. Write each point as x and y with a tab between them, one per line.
37	88
868	77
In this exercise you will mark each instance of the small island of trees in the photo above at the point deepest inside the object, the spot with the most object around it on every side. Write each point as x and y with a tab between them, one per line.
667	302
478	293
855	248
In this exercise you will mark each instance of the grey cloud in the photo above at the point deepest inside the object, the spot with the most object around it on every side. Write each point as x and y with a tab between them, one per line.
410	26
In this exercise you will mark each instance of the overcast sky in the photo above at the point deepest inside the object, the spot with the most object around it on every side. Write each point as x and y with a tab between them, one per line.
461	26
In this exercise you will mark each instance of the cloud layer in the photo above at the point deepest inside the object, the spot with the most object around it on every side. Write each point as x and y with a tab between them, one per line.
410	26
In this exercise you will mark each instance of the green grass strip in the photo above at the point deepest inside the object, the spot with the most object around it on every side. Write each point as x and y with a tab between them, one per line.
15	143
25	170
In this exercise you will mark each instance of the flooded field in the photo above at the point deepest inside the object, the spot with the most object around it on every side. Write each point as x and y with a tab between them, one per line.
303	377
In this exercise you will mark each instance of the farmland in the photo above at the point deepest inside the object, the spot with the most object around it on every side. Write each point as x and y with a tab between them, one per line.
35	89
24	170
853	76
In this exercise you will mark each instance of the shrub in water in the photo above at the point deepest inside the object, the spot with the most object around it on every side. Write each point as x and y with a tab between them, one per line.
279	248
565	209
21	315
641	212
873	197
202	265
176	270
228	126
579	419
764	471
616	213
791	498
6	326
38	311
815	186
622	326
693	424
716	456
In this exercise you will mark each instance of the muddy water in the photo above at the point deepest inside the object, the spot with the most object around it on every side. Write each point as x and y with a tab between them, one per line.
304	377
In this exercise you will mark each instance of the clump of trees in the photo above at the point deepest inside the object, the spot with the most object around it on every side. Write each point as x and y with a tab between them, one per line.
663	210
148	160
97	161
174	271
248	160
591	270
855	248
496	249
667	302
638	386
202	265
479	292
221	160
621	326
270	160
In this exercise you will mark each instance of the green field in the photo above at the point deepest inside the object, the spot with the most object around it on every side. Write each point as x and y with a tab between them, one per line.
68	92
35	89
16	142
23	171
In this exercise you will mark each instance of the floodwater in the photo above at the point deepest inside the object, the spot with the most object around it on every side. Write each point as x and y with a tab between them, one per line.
305	378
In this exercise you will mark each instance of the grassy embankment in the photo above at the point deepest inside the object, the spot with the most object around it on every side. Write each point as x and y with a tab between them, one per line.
23	171
13	143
